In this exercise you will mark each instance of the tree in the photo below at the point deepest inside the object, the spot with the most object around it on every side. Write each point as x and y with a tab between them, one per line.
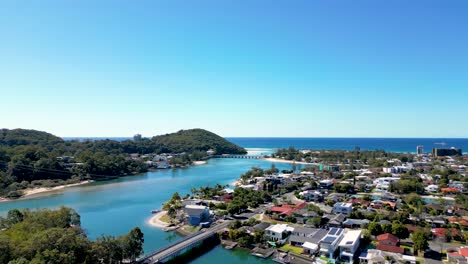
133	244
386	228
374	228
14	216
399	230
420	240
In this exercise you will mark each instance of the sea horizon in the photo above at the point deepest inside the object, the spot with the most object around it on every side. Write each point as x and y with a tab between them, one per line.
333	143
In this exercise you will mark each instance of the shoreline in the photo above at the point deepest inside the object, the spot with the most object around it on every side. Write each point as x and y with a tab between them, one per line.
287	161
27	193
199	162
155	220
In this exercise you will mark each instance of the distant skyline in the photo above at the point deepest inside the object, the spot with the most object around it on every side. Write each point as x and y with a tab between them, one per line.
255	68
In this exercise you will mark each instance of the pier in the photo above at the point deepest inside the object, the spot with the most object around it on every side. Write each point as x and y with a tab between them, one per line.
173	250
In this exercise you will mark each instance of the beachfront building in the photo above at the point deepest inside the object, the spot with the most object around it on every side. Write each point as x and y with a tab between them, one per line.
329	244
278	233
197	214
349	245
342	208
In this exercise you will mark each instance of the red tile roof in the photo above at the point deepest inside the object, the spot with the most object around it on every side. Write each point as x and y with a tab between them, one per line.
287	209
388	236
391	249
455	190
441	231
359	201
464	252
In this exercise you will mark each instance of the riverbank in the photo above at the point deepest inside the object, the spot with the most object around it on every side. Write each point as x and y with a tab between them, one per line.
27	193
286	161
33	191
199	162
157	220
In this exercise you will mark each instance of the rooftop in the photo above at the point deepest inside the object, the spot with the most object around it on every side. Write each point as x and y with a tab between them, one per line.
350	238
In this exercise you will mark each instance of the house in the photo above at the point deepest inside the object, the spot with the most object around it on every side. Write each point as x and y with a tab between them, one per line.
329	244
335	197
312	196
286	209
372	256
337	220
349	245
389	243
210	152
342	208
355	223
197	214
442	232
388	239
278	233
458	256
300	235
355	201
326	184
432	188
312	242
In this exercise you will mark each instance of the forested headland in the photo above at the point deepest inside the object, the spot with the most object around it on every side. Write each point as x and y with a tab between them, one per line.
30	158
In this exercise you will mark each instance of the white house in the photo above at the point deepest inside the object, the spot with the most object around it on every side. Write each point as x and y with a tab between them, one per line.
311	195
342	208
278	233
349	245
329	244
432	188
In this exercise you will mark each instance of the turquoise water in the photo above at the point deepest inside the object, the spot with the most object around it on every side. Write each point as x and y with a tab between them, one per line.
115	207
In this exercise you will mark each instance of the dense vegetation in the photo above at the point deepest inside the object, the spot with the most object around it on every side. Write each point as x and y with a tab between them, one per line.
55	236
374	158
30	158
196	140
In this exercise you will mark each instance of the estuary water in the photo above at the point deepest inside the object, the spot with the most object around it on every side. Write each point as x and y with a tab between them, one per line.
115	207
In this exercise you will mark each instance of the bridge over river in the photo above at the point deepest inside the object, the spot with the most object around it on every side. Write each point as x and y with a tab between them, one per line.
230	156
181	246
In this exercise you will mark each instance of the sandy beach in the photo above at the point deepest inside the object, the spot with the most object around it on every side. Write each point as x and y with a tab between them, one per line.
199	162
29	192
286	161
155	220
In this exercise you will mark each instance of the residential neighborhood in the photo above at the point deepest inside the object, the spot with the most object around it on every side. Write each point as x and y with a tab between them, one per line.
348	212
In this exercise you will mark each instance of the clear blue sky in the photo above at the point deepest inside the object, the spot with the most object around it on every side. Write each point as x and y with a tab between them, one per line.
325	68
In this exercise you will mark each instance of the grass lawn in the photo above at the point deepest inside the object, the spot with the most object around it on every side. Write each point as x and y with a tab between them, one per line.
165	219
407	248
191	229
293	249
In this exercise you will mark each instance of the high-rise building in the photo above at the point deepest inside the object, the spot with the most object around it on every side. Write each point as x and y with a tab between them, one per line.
440	152
419	150
137	137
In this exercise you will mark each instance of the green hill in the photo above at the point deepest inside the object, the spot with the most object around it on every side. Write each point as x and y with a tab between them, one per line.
18	137
196	140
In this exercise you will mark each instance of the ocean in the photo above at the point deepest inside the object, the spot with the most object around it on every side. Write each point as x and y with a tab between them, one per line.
387	144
